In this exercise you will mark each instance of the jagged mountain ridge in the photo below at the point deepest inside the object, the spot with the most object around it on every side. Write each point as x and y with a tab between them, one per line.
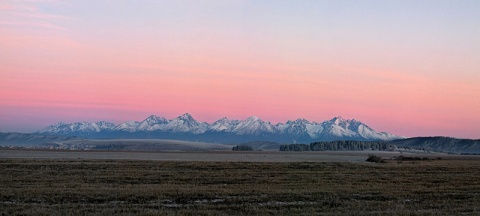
253	128
63	128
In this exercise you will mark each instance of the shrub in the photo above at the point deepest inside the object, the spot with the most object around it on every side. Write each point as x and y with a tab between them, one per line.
375	159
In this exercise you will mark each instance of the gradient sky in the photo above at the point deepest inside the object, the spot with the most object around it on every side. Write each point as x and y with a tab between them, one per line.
411	68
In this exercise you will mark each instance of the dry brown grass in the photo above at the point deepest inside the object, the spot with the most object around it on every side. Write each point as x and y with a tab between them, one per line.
119	187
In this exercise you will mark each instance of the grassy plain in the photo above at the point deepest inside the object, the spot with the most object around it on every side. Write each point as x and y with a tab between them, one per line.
147	187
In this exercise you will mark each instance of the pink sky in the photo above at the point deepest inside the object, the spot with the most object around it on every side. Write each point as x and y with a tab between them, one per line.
64	61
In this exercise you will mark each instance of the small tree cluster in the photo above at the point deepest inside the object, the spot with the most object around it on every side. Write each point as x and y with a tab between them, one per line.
375	159
242	148
405	158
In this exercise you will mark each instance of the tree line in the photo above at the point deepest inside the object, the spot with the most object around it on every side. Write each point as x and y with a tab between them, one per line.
242	148
340	146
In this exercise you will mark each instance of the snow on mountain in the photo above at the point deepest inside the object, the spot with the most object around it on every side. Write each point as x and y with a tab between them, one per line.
314	129
104	125
62	128
224	125
55	128
351	129
254	126
186	123
152	123
297	127
128	126
337	127
298	130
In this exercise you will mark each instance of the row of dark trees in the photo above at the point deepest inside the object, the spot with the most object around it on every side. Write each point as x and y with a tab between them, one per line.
340	146
295	147
242	148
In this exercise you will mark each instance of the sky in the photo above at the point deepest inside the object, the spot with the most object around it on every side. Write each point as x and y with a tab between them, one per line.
411	68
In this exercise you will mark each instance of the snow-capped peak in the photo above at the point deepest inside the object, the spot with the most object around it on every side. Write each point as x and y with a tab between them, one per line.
152	123
104	125
337	120
224	119
223	124
156	119
299	121
186	123
129	126
254	125
299	129
186	117
253	118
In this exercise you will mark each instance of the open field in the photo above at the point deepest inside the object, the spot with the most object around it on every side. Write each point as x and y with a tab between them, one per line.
219	156
213	156
450	186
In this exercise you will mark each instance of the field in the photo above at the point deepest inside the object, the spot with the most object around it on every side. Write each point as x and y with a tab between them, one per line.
73	186
212	156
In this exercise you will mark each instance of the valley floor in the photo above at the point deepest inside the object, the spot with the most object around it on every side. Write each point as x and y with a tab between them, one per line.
213	156
73	186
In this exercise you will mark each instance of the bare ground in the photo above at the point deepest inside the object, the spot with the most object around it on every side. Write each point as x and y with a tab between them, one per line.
150	187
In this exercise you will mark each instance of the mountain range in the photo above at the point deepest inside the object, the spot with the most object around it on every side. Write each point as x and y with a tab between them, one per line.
224	130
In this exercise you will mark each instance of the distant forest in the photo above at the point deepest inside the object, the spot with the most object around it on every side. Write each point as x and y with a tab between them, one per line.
340	146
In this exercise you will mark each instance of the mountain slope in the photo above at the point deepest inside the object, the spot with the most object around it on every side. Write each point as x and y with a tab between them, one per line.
152	123
440	144
223	125
186	124
128	126
254	126
22	139
346	129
